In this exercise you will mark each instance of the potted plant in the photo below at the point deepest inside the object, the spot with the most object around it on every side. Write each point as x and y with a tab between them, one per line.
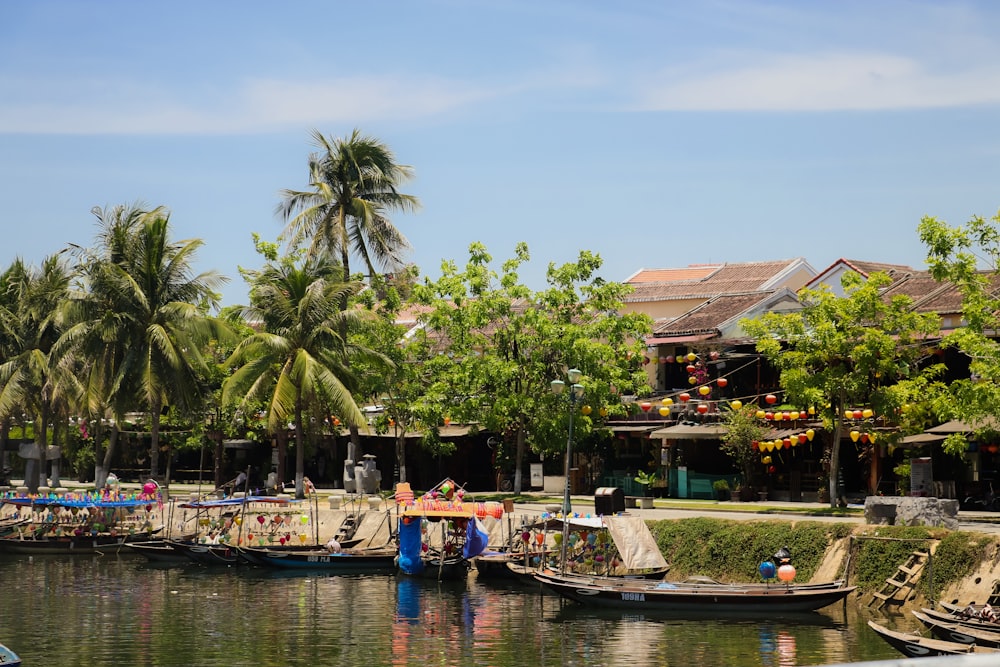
721	488
743	431
646	479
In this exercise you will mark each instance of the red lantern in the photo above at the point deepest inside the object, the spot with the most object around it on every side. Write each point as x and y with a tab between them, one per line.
802	438
722	382
755	445
645	406
786	443
768	416
771	469
670	359
702	408
685	397
691	368
771	399
858	414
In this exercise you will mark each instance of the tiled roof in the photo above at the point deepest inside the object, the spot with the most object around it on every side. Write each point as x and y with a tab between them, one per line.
692	272
712	314
725	279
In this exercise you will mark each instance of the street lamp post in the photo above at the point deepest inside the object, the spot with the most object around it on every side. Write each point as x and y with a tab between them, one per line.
575	394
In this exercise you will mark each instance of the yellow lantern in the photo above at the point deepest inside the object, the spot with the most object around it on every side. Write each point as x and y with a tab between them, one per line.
871	437
704	390
760	414
691	356
769	446
867	413
664	411
668	401
812	411
848	414
603	411
855	435
692	380
586	409
794	415
736	405
810	434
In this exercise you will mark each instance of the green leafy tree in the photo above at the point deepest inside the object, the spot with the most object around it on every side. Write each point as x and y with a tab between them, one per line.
29	378
955	255
354	184
140	323
298	362
845	351
501	345
743	429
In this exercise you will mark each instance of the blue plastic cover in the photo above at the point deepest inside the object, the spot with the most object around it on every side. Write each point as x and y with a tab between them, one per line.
410	560
475	540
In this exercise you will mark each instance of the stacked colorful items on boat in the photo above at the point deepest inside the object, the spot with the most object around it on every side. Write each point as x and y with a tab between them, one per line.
426	551
64	522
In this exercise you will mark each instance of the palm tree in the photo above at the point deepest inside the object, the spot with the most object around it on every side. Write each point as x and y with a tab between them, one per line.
299	360
29	381
354	183
142	321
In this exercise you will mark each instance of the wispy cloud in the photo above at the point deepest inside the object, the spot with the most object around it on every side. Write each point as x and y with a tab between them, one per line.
130	107
822	82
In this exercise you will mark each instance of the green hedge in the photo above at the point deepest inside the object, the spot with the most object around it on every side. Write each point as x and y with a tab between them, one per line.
732	551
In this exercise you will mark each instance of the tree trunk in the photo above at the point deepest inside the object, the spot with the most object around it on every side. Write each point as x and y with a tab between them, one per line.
300	455
401	454
518	458
838	427
282	437
40	443
101	474
154	440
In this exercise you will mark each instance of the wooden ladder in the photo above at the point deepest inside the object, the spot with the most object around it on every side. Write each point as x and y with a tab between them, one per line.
994	599
348	528
903	581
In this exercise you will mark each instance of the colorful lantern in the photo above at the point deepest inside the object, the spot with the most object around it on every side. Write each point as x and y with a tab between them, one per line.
810	434
664	411
586	409
722	382
736	405
867	413
771	399
786	572
691	356
704	390
793	415
646	406
858	414
692	380
690	368
685	397
702	408
667	401
855	435
761	414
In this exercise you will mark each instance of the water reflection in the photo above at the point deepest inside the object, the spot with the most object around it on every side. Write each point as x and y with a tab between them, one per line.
123	610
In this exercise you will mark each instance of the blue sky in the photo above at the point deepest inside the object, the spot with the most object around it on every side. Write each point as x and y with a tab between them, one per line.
655	133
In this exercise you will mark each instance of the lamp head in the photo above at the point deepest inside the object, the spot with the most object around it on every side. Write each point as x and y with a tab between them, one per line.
557	387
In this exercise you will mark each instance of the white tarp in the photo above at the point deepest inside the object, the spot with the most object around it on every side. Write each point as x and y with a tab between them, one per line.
635	543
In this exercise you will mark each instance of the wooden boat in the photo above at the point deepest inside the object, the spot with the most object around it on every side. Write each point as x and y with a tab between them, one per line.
646	595
452	538
616	546
80	523
956	632
207	554
917	646
968	615
158	551
8	658
346	562
963	619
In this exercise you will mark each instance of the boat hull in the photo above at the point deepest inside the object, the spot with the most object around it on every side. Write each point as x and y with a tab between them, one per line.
66	545
679	597
317	560
917	646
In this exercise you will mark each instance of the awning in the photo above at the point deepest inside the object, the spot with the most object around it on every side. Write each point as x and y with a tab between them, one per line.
958	426
690	432
921	439
690	338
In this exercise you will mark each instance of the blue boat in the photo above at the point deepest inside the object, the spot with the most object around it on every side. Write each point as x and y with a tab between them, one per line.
8	658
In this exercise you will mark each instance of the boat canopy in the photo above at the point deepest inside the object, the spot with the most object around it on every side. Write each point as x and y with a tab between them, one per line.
636	546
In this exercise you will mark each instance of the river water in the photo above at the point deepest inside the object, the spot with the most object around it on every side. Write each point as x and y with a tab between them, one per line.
123	610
